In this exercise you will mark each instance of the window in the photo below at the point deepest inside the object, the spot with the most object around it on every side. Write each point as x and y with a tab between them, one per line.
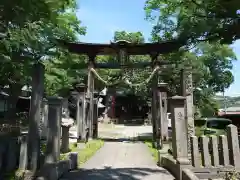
216	124
199	123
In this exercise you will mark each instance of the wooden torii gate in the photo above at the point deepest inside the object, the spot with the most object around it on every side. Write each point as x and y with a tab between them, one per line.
123	50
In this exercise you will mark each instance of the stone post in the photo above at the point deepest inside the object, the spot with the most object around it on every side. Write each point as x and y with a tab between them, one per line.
77	100
95	119
65	139
111	103
162	94
86	116
44	118
80	110
73	157
23	160
179	130
35	116
54	129
187	91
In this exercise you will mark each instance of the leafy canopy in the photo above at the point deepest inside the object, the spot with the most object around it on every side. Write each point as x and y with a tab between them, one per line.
195	20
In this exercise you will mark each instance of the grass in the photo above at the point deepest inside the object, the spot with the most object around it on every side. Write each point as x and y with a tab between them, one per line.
148	142
153	150
87	152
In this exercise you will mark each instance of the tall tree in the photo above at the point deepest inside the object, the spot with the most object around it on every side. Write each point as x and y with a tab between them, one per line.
208	26
29	35
195	20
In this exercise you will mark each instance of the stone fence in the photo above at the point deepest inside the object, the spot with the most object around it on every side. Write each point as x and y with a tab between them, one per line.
54	136
210	157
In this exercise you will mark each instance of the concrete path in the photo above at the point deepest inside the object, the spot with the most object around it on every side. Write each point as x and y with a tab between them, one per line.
120	161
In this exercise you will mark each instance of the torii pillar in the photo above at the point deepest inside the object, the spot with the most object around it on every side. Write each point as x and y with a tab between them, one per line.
154	105
90	96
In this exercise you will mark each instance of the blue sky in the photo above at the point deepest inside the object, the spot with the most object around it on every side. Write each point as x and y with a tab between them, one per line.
104	17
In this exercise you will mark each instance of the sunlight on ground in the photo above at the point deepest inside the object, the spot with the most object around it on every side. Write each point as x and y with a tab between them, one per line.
84	154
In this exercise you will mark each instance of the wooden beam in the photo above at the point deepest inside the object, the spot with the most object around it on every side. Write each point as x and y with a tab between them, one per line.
114	65
132	49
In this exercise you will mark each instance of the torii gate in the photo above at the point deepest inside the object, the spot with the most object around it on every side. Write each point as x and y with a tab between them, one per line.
123	49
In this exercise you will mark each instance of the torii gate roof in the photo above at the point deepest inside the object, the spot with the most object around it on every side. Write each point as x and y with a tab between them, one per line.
132	49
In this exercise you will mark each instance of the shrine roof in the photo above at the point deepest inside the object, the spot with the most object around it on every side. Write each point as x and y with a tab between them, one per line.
132	49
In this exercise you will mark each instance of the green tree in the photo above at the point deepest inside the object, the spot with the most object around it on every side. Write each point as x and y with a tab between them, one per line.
29	33
195	20
133	75
207	26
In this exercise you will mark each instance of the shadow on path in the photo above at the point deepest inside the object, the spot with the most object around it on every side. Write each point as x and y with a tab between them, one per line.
117	139
118	174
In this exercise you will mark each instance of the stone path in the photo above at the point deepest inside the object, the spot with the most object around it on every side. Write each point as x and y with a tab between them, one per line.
120	161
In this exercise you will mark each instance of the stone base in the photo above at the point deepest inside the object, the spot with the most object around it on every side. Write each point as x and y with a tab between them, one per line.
162	152
53	171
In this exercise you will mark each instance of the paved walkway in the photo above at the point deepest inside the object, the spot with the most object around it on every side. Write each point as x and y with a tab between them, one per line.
120	161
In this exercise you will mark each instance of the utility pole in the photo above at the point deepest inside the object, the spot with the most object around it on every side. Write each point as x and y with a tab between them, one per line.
224	101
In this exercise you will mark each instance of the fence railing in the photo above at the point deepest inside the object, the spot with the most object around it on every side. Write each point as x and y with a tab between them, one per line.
210	157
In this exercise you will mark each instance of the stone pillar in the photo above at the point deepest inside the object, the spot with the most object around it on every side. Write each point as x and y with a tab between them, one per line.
86	116
111	102
78	102
65	139
90	90
73	157
35	116
54	129
65	110
95	119
162	94
44	118
179	130
23	160
187	91
80	110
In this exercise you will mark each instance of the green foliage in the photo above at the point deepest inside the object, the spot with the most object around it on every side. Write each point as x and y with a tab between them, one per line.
133	75
195	20
211	64
207	26
30	31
